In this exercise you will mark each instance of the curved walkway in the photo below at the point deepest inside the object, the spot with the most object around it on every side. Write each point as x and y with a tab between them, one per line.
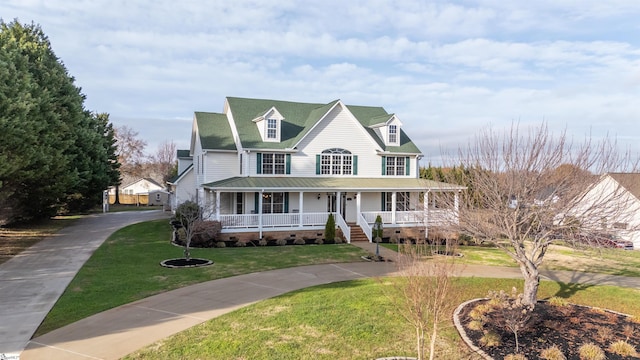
120	331
32	281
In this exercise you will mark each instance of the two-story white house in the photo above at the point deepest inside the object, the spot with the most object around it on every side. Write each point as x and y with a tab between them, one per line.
277	167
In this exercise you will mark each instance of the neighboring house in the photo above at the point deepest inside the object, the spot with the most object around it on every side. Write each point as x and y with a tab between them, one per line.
145	191
139	187
183	186
620	215
269	168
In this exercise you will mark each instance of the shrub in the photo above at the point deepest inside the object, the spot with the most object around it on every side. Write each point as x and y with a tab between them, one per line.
240	244
558	301
330	228
337	240
623	348
552	353
262	242
221	244
476	325
490	339
299	241
515	357
319	242
591	351
377	228
205	233
628	331
511	312
393	240
281	242
604	333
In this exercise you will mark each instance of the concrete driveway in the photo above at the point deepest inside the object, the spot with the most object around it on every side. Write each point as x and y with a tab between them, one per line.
32	282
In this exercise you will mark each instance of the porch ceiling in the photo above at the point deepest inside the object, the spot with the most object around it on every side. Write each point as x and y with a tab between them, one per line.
272	183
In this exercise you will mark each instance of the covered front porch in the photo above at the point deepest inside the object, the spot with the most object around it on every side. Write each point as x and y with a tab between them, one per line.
276	204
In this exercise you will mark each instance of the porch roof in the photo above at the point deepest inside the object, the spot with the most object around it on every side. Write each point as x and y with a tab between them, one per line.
273	183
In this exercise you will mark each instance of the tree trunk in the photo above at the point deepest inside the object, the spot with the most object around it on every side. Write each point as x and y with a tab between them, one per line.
434	334
531	282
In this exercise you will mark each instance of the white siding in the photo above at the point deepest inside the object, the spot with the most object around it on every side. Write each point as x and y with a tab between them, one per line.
338	130
186	189
218	166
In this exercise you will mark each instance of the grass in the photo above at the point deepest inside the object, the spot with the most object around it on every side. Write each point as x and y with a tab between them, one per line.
602	261
349	320
14	240
126	268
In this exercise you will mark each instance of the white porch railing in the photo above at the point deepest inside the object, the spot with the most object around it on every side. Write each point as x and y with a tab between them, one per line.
245	221
434	217
346	230
362	222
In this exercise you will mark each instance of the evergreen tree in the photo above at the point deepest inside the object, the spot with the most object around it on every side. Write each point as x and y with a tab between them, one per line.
53	150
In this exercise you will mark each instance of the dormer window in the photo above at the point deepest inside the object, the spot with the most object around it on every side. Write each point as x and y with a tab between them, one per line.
269	125
272	129
393	134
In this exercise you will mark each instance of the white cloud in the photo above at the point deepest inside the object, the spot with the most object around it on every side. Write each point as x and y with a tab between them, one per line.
446	68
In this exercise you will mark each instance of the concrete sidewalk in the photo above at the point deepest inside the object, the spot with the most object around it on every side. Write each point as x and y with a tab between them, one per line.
117	332
32	281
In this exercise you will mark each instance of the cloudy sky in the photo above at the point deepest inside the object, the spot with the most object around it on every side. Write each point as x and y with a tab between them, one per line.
447	69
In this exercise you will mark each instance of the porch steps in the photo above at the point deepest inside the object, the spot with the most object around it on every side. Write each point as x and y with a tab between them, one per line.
357	234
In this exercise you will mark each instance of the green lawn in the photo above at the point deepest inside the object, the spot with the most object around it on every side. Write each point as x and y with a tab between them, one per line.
349	320
126	268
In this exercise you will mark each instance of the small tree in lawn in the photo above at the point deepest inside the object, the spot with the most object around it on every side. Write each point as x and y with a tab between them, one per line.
377	229
188	214
420	293
527	186
330	228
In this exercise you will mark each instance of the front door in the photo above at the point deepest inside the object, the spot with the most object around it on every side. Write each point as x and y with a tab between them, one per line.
332	201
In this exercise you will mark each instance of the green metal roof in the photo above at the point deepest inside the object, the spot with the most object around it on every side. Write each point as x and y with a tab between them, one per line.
332	183
183	154
215	131
299	118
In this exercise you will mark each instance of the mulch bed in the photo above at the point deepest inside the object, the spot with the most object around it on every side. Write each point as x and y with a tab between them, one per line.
568	327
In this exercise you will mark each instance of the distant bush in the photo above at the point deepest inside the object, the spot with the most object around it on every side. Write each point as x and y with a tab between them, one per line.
319	242
240	244
281	242
299	241
263	242
221	244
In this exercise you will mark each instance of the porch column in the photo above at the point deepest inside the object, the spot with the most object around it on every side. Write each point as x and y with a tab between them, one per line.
393	207
338	202
300	205
259	212
358	205
218	205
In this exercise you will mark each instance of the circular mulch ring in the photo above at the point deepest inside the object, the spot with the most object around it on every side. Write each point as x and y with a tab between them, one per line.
184	263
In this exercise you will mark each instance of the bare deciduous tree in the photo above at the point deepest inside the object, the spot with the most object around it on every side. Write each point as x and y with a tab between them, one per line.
420	292
164	160
130	151
529	186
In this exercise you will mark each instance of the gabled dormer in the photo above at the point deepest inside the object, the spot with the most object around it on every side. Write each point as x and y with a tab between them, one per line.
387	127
270	125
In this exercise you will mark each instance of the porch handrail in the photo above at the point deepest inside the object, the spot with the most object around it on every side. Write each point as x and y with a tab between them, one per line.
362	222
346	230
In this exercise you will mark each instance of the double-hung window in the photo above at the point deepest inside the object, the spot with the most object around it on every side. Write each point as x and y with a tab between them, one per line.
393	134
273	203
272	128
395	165
336	161
273	163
